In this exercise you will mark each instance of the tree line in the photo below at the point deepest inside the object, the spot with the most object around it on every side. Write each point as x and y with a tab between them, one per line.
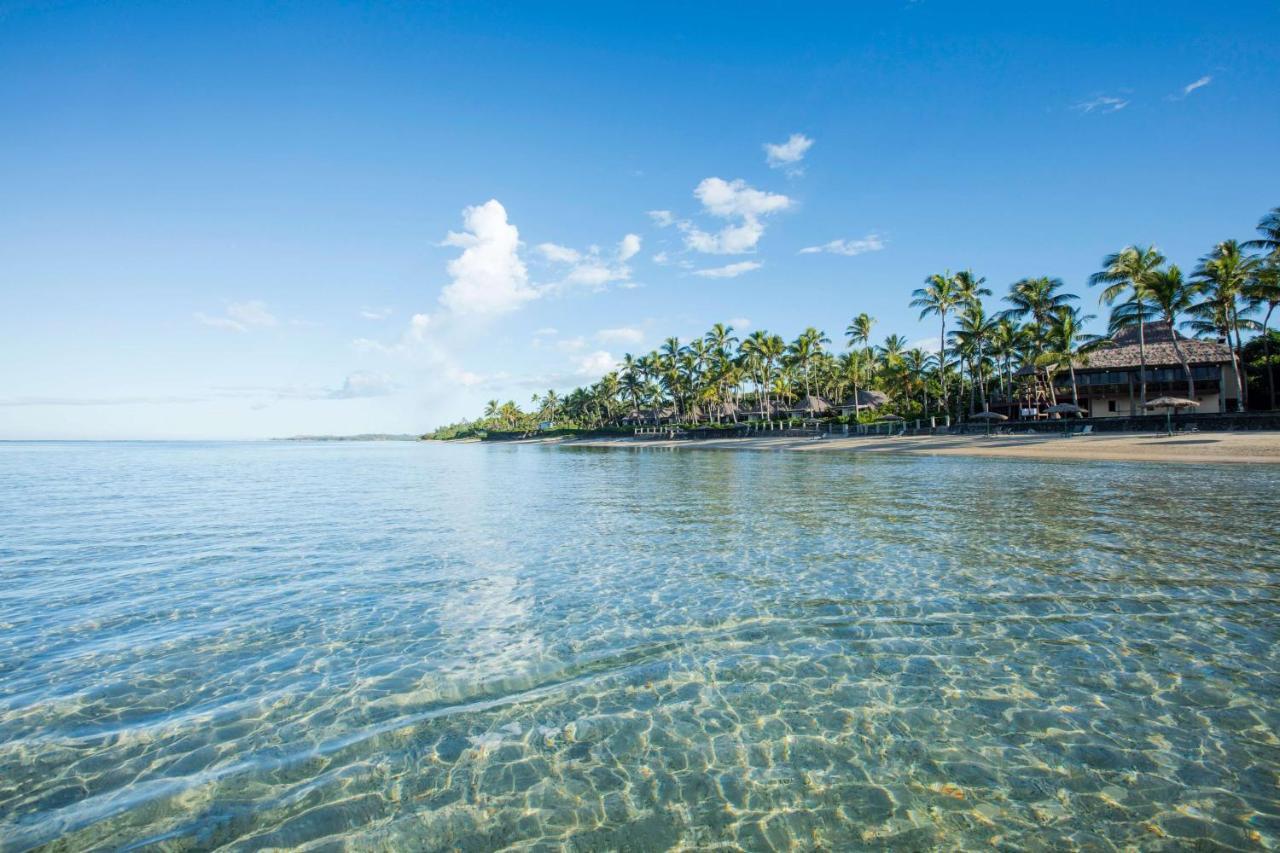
1019	349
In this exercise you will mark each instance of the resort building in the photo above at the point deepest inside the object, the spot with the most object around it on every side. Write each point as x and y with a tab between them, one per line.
1108	382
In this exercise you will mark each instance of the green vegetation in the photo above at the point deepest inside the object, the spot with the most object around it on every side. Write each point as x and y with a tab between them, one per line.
1017	352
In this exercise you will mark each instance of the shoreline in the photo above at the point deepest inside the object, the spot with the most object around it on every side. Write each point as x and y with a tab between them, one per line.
1197	448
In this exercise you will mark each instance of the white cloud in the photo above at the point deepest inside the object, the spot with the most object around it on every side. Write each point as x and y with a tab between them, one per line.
661	259
729	271
251	313
590	269
546	331
736	198
596	364
363	383
375	313
628	247
488	277
220	322
1198	84
418	326
869	243
559	254
662	218
929	345
1101	104
787	155
571	344
731	200
740	323
240	316
622	335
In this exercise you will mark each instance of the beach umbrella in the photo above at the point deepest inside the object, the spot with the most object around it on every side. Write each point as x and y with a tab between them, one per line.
890	419
1064	409
989	417
1169	404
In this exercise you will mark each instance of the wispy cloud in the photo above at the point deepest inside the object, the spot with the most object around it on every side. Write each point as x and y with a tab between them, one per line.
621	335
375	313
1101	104
869	243
1192	86
787	155
240	317
593	269
730	270
363	383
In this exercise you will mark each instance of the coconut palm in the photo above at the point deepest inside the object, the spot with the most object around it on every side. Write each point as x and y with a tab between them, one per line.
1171	296
1264	292
939	297
1126	273
1224	275
973	338
858	333
1066	343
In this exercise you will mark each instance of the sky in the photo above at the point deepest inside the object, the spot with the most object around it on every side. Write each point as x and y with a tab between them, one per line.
265	219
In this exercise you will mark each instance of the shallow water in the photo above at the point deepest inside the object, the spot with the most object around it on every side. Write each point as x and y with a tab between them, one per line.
439	647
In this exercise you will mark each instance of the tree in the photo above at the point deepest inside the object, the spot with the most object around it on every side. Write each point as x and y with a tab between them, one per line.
1264	291
1126	273
858	333
1066	343
939	297
1224	275
1170	296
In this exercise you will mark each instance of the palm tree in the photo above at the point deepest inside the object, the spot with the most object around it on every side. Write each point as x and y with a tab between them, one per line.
973	338
1264	290
938	296
917	363
1127	272
1171	296
802	351
1066	343
1224	275
859	334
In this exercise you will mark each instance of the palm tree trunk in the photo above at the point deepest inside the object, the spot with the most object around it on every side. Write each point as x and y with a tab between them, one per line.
1075	394
942	362
1182	359
1242	401
1142	361
1266	354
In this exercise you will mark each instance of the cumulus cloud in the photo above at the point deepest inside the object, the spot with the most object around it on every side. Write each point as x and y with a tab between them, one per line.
869	243
730	270
731	200
622	335
787	155
1102	104
591	269
596	364
628	247
363	383
662	218
240	317
488	277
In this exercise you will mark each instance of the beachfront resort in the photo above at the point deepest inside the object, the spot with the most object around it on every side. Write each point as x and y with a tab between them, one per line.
1193	349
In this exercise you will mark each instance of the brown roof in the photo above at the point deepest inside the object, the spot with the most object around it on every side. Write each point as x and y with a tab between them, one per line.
1159	350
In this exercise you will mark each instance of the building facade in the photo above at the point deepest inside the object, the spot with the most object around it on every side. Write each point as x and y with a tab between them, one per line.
1108	383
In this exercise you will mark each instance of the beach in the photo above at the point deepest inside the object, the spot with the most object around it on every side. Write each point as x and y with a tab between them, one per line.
1227	447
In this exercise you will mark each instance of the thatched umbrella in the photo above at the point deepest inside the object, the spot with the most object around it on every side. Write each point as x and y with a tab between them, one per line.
1169	404
890	419
1064	409
989	417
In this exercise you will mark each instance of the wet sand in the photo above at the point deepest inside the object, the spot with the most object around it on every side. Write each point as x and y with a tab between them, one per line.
1226	447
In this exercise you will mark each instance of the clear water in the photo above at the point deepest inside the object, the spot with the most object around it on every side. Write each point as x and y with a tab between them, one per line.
388	646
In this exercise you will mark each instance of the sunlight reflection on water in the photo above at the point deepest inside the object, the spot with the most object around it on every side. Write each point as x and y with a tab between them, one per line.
284	645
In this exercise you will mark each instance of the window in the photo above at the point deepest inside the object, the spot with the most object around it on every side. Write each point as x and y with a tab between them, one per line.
1111	405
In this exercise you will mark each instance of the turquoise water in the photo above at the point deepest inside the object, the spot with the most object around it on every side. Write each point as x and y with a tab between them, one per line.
388	646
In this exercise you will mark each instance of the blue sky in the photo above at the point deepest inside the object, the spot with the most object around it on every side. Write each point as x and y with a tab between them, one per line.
234	220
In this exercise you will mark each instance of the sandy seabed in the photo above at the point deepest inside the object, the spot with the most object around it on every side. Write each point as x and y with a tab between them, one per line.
1230	447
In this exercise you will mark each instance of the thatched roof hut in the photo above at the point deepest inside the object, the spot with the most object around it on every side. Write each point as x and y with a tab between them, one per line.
812	405
866	399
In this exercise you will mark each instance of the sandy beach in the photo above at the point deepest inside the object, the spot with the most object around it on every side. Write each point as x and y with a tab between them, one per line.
1227	447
